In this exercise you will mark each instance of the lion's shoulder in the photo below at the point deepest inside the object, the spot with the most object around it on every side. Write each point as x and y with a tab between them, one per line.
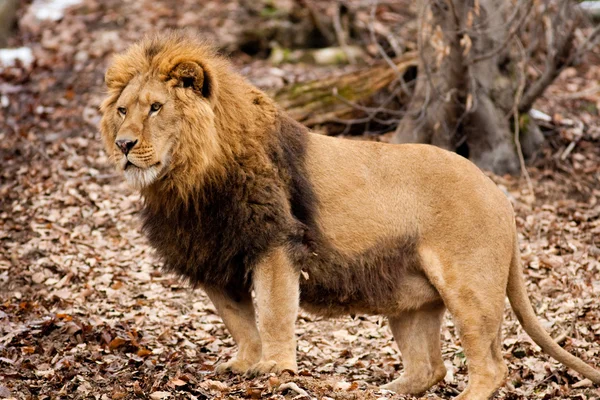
255	202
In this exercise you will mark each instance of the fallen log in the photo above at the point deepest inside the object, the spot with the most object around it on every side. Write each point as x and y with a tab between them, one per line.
345	97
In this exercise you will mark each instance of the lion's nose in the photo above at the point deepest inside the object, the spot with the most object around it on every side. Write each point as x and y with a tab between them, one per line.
125	145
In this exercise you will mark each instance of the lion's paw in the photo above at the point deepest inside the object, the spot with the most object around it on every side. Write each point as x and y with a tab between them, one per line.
392	387
235	365
267	366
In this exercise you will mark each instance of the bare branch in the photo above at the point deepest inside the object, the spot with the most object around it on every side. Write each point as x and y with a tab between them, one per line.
341	35
514	28
559	57
518	94
370	110
317	20
382	52
587	45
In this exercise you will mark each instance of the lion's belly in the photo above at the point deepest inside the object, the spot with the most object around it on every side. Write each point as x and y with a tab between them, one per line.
411	293
383	279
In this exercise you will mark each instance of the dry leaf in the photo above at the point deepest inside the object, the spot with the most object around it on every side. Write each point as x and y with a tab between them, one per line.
342	385
159	395
466	44
215	385
253	393
116	343
143	352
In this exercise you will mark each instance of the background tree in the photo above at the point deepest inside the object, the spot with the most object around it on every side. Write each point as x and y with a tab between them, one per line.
478	90
480	66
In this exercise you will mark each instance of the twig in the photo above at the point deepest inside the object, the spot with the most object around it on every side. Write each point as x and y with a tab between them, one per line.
316	18
583	48
393	41
341	35
294	387
563	336
518	94
370	110
583	93
556	63
568	150
531	389
573	143
384	55
513	30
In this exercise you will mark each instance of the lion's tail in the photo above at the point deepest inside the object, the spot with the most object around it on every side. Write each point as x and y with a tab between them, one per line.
519	300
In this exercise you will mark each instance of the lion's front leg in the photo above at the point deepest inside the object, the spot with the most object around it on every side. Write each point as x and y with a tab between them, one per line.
276	286
239	318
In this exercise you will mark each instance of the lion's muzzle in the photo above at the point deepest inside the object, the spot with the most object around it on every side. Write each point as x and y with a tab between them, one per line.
125	145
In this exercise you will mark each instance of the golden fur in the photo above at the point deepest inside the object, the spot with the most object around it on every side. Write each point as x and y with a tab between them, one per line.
238	197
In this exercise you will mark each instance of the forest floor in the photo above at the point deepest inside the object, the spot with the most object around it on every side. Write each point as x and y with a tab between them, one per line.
85	311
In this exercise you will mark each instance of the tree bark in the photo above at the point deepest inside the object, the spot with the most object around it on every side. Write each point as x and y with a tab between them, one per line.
468	81
8	15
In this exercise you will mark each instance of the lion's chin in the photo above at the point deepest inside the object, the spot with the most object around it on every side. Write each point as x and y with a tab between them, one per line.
140	178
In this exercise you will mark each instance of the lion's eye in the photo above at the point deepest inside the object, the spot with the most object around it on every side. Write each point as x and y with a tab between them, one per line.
155	107
122	110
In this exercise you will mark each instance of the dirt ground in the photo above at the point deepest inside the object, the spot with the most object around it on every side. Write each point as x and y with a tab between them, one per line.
85	311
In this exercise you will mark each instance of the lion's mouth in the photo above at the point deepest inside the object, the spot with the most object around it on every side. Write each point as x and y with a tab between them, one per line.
142	176
129	164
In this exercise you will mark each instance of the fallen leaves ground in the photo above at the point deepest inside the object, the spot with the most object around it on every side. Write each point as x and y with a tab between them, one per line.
86	313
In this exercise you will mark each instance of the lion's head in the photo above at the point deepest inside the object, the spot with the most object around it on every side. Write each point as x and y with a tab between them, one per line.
159	117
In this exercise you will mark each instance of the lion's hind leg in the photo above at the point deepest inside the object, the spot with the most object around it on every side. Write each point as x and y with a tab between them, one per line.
417	333
474	296
479	332
478	326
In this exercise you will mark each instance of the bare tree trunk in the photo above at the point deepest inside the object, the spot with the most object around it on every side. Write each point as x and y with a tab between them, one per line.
468	82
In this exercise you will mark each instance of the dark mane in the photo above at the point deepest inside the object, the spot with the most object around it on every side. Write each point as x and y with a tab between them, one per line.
217	237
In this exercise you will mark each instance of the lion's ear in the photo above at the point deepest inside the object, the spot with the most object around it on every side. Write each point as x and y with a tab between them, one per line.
191	75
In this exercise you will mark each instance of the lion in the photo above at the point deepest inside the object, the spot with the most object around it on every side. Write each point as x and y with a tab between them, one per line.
266	217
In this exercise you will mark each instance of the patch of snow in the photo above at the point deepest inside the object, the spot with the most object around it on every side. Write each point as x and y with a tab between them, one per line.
9	57
537	114
51	9
593	6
